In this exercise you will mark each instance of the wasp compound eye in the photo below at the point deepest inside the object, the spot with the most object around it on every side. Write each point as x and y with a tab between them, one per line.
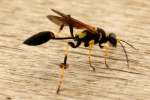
112	39
39	38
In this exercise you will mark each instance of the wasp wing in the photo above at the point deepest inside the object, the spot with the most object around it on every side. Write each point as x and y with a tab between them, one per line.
67	20
59	13
62	21
57	20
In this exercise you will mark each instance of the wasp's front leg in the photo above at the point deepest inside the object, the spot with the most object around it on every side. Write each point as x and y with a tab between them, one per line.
91	44
106	48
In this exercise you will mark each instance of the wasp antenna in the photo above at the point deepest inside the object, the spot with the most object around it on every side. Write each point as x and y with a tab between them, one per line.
129	44
125	53
52	9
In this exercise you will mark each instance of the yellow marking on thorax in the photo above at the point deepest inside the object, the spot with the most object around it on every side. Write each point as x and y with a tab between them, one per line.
82	35
107	34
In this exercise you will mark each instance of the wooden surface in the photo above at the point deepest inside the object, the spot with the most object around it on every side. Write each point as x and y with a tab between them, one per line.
32	73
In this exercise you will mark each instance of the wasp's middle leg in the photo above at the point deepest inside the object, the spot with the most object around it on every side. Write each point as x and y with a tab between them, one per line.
70	27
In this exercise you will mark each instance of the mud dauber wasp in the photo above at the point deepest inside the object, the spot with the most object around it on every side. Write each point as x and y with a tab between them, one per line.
89	36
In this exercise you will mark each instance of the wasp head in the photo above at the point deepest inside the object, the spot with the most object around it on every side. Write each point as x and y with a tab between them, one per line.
112	39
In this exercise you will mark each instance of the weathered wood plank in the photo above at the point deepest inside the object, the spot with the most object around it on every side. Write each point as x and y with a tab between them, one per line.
32	73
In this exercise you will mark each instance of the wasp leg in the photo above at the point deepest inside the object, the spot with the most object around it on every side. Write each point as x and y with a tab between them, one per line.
61	28
106	51
71	30
70	26
73	45
63	66
61	78
91	43
77	42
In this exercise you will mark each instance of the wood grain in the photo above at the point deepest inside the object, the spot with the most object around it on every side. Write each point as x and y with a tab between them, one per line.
32	73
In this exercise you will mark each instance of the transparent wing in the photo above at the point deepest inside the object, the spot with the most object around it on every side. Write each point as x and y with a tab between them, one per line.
67	20
57	20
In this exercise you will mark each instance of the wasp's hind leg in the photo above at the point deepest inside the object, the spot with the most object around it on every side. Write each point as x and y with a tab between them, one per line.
63	66
61	28
76	43
70	27
91	43
73	45
71	30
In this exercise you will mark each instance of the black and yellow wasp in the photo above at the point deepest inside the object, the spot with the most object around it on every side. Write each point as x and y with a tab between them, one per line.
89	37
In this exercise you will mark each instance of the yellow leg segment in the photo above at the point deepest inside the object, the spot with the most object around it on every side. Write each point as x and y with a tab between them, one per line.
61	79
63	66
106	54
91	43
